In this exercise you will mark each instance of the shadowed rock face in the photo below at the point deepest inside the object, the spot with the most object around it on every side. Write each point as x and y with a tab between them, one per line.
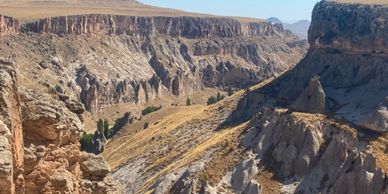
348	53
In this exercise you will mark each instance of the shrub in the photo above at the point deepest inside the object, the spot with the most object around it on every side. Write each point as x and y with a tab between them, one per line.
230	91
107	130
86	141
219	96
100	125
150	109
211	100
188	102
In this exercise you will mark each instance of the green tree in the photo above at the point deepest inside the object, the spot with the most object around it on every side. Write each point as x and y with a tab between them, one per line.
150	109
188	102
86	141
100	125
219	96
107	130
230	91
211	100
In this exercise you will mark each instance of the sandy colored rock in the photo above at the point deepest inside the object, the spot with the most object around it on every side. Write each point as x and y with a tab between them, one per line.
95	166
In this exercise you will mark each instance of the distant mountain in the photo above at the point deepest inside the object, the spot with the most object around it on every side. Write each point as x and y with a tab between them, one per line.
274	20
299	28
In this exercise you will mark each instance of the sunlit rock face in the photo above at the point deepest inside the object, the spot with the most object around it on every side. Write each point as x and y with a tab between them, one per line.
39	144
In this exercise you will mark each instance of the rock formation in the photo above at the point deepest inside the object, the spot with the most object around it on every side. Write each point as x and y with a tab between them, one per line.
312	99
349	55
321	156
39	144
11	133
8	25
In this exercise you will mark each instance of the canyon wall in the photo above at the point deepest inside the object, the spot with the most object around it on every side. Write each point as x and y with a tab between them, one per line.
188	27
352	28
106	59
8	25
347	58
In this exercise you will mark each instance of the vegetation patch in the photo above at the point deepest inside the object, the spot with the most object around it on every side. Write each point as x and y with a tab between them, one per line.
212	100
86	141
150	109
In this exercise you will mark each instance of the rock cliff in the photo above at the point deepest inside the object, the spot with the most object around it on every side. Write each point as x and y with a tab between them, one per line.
188	27
348	56
39	147
8	25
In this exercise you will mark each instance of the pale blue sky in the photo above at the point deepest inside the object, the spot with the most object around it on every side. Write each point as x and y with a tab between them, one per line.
285	10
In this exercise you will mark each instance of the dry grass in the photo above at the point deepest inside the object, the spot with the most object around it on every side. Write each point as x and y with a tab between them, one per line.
26	10
194	154
379	149
228	156
139	142
268	183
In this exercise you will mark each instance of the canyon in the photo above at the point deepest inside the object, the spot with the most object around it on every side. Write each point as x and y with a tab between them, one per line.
303	117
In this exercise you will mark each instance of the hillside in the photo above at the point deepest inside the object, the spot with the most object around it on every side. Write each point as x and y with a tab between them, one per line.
281	136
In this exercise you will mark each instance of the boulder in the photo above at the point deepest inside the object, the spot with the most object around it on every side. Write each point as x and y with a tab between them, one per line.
243	174
312	99
377	120
94	166
253	188
49	118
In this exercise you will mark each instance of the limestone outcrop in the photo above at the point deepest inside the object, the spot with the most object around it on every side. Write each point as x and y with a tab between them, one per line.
349	57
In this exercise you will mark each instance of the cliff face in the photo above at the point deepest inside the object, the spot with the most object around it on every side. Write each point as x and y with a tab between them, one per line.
8	25
188	27
352	28
39	144
348	57
105	59
11	132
